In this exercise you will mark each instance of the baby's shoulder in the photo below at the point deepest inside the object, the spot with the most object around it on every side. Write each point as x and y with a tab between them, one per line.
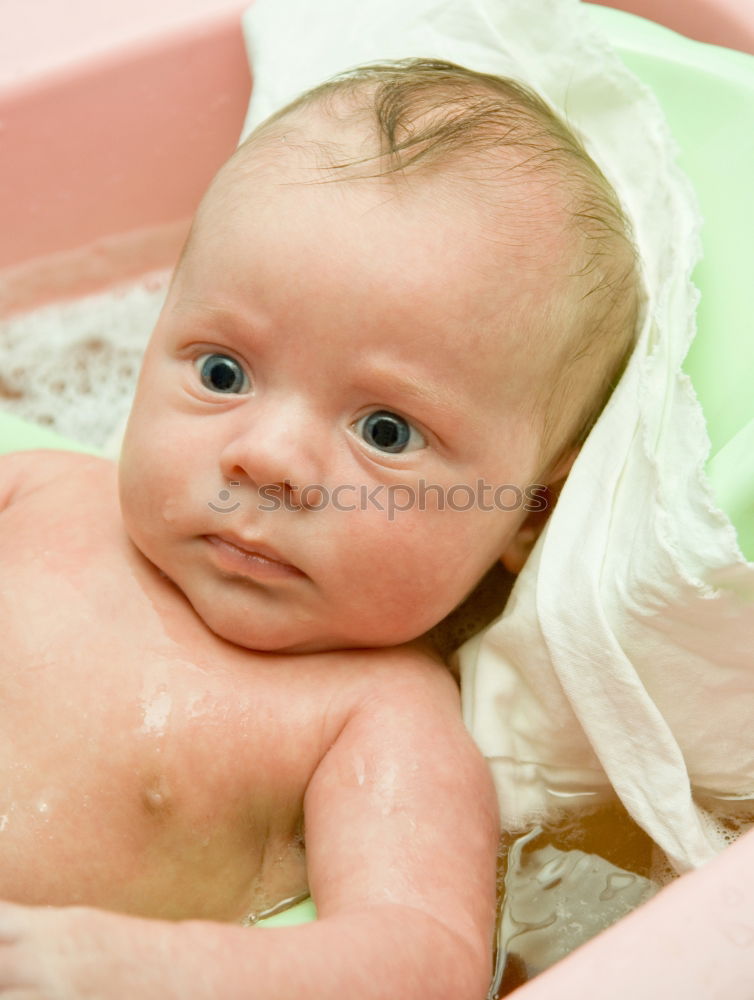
400	675
406	710
24	472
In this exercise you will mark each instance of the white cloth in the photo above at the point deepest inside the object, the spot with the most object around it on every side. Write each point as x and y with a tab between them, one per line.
624	656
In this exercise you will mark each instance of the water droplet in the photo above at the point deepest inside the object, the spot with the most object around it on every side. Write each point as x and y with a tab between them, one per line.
573	793
551	873
156	712
616	882
360	770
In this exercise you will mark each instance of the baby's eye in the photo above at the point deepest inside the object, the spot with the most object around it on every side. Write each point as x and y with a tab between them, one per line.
221	373
389	432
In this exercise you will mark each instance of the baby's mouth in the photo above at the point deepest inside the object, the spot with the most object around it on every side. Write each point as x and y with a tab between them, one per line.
250	558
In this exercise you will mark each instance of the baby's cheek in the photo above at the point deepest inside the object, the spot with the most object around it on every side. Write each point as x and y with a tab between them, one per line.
137	489
413	577
451	552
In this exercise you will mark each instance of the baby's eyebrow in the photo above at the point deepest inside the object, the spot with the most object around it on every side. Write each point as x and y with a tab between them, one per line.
400	385
217	318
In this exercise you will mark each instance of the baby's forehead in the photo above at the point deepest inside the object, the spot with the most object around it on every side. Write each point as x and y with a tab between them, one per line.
432	223
311	146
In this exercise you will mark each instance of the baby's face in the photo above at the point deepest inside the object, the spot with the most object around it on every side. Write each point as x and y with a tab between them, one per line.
328	350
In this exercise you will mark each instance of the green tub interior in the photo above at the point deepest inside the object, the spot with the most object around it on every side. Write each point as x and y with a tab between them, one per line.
708	95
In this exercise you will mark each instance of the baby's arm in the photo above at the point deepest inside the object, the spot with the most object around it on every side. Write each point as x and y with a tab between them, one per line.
401	834
401	837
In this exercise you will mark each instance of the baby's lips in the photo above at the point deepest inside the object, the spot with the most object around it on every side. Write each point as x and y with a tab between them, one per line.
253	554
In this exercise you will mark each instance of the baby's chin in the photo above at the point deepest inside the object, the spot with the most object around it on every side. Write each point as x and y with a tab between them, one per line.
281	639
279	643
282	642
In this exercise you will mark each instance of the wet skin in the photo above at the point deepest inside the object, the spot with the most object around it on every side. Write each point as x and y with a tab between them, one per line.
150	766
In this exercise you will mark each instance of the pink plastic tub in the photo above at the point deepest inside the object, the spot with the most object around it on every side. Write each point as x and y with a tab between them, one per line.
718	22
113	119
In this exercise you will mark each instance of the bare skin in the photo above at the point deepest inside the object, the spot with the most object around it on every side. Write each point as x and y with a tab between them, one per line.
176	783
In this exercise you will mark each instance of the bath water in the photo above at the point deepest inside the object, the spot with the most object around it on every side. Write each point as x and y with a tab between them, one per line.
561	883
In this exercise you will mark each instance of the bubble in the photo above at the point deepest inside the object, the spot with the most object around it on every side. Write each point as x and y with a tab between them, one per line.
72	365
617	882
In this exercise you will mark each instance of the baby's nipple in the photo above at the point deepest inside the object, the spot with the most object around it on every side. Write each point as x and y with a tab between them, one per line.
156	798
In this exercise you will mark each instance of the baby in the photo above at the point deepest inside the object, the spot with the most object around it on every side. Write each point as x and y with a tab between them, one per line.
409	287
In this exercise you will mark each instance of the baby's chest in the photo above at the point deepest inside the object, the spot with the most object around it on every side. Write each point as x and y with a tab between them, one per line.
144	764
139	783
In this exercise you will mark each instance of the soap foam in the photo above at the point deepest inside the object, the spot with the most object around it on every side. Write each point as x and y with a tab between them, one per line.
72	366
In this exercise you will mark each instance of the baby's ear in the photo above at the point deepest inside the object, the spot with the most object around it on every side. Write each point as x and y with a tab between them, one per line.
542	501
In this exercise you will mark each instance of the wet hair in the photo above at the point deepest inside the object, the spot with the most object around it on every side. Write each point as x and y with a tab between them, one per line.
494	139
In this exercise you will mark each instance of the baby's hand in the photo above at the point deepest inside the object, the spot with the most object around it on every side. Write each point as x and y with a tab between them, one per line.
50	953
76	953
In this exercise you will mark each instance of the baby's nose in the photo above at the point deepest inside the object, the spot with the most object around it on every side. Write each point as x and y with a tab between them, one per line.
274	449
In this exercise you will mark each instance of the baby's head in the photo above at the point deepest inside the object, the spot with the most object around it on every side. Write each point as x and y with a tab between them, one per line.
527	183
403	303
